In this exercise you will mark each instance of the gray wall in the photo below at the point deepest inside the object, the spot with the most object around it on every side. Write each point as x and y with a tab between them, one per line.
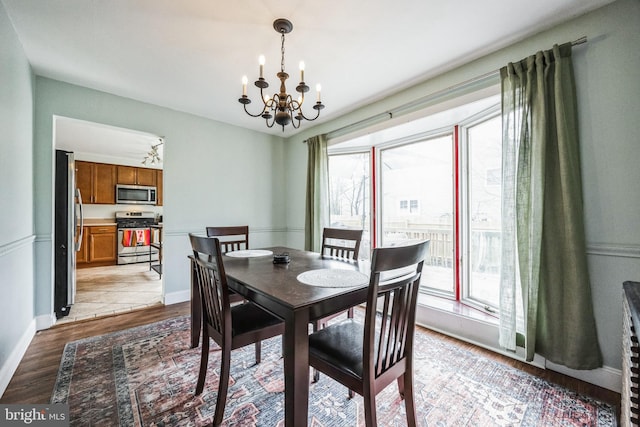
213	174
608	91
16	200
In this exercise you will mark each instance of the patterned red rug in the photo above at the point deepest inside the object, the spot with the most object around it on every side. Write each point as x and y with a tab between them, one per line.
146	376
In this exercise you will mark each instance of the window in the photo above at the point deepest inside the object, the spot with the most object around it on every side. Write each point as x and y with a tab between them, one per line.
409	206
436	178
481	210
349	183
424	168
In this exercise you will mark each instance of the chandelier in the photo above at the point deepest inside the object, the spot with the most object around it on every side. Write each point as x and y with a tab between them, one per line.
153	156
281	108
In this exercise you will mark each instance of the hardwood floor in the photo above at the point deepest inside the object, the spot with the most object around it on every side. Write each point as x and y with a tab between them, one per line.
36	375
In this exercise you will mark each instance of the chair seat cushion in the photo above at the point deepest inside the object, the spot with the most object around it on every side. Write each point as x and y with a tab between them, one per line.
248	317
340	345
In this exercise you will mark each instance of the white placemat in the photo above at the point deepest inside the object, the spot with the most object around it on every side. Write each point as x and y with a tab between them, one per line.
249	253
332	278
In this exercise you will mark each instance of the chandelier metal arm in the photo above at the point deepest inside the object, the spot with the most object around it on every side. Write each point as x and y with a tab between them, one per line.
252	115
318	106
246	100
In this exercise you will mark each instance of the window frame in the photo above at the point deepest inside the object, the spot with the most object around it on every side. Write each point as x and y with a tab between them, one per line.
464	212
377	185
461	231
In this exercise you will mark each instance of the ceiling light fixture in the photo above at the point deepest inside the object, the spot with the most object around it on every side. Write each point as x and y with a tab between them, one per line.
281	108
153	156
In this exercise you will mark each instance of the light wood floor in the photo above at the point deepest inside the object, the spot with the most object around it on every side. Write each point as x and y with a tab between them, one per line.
104	291
35	377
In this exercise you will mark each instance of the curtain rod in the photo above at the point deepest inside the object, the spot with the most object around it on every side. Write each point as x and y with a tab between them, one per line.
581	40
424	100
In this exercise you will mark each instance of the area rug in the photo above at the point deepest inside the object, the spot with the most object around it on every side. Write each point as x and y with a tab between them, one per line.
146	376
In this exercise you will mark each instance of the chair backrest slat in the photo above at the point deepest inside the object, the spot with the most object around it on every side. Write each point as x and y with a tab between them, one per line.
232	238
211	295
341	243
392	302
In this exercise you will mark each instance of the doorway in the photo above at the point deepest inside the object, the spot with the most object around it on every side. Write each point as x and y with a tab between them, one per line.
103	286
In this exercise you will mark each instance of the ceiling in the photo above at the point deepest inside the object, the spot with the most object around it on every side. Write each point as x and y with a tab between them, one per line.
190	55
98	142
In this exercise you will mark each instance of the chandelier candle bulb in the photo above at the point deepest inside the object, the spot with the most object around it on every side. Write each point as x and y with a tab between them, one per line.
261	60
301	71
318	87
244	85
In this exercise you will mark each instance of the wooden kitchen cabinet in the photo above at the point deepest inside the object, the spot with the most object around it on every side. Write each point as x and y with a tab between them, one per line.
82	256
97	182
136	176
99	246
84	180
102	244
146	176
159	186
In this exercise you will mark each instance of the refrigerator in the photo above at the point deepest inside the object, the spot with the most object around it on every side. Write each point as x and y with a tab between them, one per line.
68	225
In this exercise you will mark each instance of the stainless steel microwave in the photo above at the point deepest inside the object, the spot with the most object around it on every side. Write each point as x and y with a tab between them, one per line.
136	195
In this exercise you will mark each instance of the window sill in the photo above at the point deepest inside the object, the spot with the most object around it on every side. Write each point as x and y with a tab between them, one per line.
459	321
456	308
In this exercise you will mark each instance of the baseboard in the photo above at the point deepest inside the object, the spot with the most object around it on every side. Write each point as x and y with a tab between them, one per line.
14	359
45	321
606	377
176	297
485	335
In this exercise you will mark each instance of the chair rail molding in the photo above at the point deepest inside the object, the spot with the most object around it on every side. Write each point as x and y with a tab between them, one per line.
614	250
7	248
202	232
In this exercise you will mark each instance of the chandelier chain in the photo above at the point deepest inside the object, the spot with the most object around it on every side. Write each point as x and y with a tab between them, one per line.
282	51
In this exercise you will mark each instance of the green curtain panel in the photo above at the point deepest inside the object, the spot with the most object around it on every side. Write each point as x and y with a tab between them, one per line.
317	202
545	289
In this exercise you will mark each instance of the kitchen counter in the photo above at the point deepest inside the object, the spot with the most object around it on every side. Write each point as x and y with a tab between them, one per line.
99	222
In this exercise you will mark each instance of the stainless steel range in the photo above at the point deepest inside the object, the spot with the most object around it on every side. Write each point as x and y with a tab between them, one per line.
135	237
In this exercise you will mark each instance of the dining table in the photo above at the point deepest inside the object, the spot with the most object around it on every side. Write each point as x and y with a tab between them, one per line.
307	287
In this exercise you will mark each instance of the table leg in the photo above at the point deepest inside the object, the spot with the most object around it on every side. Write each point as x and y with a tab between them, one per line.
296	369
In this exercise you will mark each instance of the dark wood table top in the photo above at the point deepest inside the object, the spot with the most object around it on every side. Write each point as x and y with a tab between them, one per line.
278	282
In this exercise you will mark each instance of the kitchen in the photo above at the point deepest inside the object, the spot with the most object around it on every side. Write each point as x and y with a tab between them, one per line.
111	218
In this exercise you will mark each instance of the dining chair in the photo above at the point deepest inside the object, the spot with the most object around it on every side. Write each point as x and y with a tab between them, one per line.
368	357
231	327
343	244
233	238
